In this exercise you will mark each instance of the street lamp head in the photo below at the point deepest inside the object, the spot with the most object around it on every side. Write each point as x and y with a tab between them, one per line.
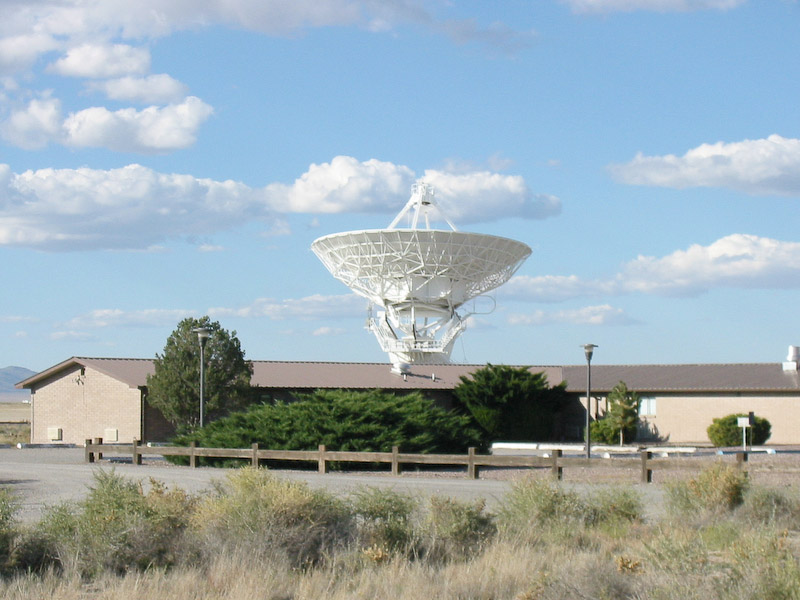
589	350
202	334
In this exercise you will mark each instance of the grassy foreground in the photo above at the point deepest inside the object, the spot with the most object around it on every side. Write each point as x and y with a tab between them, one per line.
258	536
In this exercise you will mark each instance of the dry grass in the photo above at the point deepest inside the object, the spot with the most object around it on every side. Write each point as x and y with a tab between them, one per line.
549	545
15	433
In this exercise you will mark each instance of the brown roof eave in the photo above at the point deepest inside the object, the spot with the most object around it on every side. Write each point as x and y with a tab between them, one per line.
34	379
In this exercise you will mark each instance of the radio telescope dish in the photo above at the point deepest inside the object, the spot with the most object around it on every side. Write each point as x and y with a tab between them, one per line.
418	277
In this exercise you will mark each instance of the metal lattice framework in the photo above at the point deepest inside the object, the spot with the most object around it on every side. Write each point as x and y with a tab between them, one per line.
419	277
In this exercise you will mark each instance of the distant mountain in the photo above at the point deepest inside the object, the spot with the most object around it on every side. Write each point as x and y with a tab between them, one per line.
11	375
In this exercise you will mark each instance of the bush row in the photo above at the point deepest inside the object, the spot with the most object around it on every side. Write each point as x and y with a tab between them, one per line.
124	526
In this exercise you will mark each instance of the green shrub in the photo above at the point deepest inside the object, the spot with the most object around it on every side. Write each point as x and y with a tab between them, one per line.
725	431
620	421
605	432
258	514
369	421
384	518
457	529
717	488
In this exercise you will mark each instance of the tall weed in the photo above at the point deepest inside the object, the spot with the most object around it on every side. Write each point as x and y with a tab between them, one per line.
457	529
385	519
717	489
256	511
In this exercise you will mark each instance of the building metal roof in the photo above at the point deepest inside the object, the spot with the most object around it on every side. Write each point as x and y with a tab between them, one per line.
691	378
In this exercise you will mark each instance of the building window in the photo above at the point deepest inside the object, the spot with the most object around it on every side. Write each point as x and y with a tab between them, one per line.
647	406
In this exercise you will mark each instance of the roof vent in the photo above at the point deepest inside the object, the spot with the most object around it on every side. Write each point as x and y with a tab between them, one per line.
792	361
401	368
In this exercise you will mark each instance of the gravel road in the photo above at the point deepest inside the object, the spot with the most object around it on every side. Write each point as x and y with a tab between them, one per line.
44	477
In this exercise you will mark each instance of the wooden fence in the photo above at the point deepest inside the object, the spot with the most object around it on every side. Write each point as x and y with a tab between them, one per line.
555	463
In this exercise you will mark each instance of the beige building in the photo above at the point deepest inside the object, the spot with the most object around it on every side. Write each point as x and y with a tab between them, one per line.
84	398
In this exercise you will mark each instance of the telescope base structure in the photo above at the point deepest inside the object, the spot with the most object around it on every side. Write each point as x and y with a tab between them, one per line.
415	341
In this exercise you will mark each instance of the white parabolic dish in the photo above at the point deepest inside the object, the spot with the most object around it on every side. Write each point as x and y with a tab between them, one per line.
432	266
419	277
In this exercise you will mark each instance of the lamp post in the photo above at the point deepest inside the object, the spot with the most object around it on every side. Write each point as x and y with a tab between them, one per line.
589	350
202	336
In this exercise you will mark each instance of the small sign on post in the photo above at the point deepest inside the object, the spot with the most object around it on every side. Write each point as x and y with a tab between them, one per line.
744	423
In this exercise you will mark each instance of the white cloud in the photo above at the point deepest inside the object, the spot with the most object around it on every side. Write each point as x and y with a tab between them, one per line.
156	89
100	61
71	335
327	331
74	22
589	315
607	6
113	317
35	126
137	208
148	131
735	261
344	185
347	185
152	130
738	261
485	196
310	307
18	52
764	166
129	208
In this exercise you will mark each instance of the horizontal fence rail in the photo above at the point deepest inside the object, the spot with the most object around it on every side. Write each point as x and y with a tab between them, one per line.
556	462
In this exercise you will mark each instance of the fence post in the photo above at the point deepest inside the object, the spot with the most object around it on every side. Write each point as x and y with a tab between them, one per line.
395	461
472	469
647	473
137	457
192	457
88	455
98	442
254	461
741	460
323	464
556	469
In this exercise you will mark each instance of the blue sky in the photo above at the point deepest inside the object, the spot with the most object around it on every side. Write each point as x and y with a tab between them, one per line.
160	160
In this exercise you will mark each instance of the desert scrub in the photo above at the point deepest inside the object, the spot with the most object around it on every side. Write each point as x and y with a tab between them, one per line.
8	527
385	520
115	529
256	512
532	504
613	505
457	529
718	488
778	507
763	566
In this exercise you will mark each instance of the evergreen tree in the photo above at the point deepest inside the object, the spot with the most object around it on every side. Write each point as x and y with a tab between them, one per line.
174	387
621	419
512	403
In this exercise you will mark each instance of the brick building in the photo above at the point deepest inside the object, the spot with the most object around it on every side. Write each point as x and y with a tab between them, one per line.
84	398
